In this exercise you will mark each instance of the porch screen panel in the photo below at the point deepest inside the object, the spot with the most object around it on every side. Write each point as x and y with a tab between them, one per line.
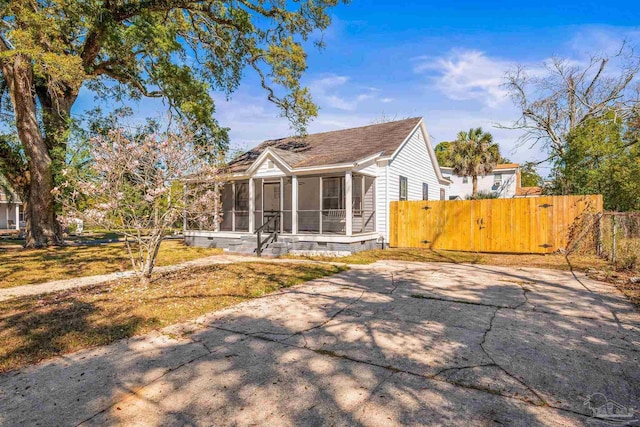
333	209
227	207
241	211
257	183
369	205
201	213
356	203
309	204
286	211
4	220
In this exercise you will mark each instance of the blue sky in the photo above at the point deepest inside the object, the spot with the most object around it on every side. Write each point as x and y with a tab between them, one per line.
442	61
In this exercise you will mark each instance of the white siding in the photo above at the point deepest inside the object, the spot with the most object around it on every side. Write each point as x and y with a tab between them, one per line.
414	163
485	183
264	171
371	170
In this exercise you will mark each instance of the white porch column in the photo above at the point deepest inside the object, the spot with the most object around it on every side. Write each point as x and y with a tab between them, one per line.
6	214
294	204
17	216
348	196
233	208
184	208
216	207
281	205
320	211
252	206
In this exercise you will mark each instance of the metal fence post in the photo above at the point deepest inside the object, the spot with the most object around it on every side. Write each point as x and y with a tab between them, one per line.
599	242
613	237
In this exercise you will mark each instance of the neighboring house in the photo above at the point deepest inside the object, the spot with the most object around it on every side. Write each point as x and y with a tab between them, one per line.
504	181
11	215
330	191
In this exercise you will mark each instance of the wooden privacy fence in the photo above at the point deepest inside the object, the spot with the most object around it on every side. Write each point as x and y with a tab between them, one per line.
526	225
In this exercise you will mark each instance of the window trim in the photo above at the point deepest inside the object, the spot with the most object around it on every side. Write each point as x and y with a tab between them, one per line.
406	188
425	191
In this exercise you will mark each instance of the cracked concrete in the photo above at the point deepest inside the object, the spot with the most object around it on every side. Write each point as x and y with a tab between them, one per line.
386	344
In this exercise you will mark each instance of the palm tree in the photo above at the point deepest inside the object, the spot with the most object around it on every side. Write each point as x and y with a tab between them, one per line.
474	153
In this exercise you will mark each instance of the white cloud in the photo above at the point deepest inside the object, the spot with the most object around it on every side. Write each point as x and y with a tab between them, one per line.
602	40
467	75
334	92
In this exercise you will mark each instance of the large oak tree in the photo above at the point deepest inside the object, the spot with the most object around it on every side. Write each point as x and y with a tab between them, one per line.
177	50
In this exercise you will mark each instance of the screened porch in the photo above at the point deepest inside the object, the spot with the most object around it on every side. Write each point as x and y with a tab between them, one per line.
328	204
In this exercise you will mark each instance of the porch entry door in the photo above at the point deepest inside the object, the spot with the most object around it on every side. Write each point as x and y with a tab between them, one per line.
271	203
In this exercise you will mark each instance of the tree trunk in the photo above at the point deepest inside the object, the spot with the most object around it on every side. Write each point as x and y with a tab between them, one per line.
474	180
152	254
42	227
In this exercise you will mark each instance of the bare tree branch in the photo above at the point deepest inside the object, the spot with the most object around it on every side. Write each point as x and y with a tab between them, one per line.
569	94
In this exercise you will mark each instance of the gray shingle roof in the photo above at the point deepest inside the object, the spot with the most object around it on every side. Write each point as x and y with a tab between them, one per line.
329	148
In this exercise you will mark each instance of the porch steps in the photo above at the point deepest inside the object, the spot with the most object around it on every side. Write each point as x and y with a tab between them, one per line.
248	245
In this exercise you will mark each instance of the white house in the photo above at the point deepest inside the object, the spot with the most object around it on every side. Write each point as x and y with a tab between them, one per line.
328	191
504	181
11	216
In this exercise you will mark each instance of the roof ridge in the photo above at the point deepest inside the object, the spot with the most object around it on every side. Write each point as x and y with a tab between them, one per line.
345	129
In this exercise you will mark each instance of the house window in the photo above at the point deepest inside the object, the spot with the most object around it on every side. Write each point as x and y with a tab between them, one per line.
404	191
465	179
333	193
442	194
425	191
497	179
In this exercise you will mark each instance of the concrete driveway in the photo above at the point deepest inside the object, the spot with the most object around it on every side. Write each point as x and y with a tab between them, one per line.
387	344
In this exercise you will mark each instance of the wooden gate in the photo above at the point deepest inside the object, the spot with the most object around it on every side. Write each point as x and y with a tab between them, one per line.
526	225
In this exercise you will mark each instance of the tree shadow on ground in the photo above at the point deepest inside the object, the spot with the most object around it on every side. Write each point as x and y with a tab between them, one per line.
379	345
74	323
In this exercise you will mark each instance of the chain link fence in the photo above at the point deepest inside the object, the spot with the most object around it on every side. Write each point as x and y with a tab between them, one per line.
614	236
620	242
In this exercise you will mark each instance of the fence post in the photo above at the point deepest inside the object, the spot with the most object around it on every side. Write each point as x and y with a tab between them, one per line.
599	242
613	238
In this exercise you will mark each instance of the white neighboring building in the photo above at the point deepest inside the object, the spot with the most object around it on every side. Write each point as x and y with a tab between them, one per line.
328	191
504	181
11	216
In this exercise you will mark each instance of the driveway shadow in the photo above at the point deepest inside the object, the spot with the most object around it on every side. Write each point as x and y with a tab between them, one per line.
387	344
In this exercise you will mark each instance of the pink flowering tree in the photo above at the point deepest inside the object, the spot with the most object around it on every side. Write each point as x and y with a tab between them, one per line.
141	187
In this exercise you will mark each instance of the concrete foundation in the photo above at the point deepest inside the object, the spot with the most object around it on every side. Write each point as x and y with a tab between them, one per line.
292	243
